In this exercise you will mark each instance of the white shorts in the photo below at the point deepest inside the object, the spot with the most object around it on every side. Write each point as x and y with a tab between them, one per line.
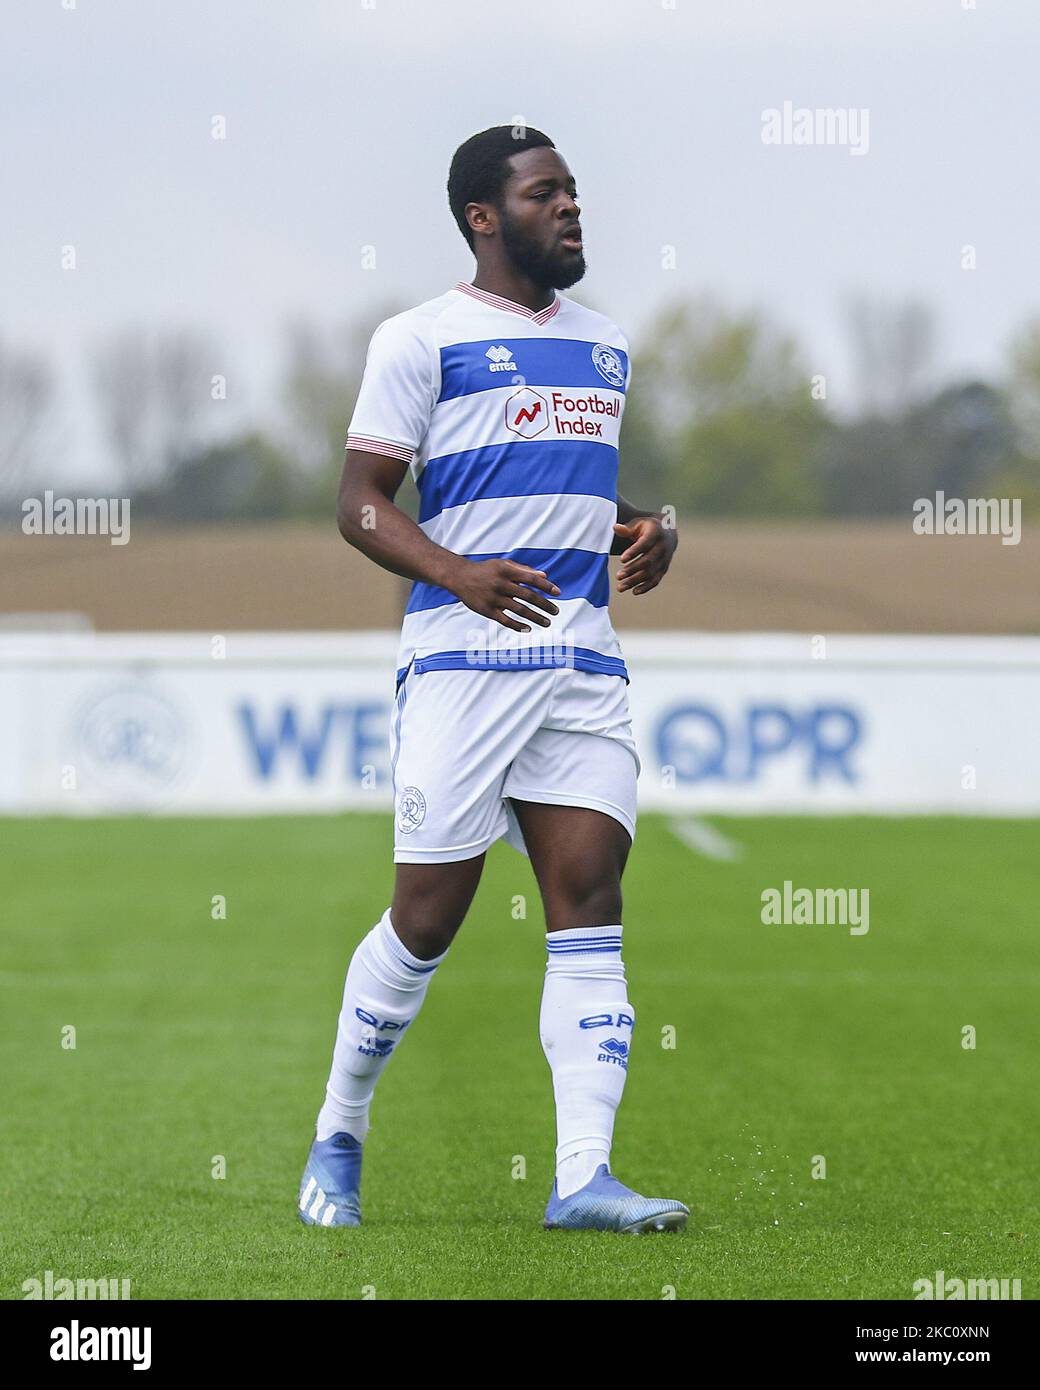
463	742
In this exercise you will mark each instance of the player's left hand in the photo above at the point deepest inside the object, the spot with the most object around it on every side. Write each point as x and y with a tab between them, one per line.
645	563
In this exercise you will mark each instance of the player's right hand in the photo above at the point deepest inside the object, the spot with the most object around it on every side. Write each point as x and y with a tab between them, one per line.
501	588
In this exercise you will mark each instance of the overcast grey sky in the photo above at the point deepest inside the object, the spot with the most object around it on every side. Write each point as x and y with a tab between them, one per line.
342	117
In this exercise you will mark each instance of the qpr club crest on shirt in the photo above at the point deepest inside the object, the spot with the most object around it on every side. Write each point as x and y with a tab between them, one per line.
608	364
411	810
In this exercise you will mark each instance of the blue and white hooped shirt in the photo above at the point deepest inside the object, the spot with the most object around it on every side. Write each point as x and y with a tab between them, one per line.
509	421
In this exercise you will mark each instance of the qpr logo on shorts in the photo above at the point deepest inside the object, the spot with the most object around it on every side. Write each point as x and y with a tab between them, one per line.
411	810
608	364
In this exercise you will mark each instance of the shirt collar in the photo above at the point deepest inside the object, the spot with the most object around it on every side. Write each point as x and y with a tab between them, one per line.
495	301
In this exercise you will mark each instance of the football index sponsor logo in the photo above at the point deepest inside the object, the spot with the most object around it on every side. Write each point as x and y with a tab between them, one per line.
500	360
527	413
571	413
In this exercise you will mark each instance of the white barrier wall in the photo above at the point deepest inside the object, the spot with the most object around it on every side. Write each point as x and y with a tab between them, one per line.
178	723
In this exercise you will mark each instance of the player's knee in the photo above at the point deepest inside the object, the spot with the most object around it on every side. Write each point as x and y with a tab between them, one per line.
425	937
584	902
430	904
426	927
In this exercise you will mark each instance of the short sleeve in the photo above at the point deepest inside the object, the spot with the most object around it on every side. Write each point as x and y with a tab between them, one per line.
393	408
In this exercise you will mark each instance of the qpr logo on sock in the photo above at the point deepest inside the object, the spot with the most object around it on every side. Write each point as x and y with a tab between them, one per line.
621	1020
411	810
608	364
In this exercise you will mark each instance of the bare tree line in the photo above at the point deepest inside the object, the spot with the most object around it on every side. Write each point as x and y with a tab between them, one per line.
725	417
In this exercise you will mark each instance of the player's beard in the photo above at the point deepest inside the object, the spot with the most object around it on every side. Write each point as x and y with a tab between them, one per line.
554	270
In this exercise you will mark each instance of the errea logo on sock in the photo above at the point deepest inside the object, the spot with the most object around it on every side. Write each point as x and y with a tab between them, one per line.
615	1051
611	1050
370	1045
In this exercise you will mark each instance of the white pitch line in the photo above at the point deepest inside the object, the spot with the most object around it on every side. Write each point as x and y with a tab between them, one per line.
704	839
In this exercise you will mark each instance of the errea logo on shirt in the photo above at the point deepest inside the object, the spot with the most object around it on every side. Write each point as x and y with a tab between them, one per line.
501	359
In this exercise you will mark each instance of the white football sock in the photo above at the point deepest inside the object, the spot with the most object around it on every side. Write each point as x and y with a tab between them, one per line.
586	1025
383	992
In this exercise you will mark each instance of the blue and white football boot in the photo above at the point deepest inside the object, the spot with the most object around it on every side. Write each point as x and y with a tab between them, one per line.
330	1189
604	1204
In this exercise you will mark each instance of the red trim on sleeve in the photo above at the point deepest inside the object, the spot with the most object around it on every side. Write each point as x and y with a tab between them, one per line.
386	447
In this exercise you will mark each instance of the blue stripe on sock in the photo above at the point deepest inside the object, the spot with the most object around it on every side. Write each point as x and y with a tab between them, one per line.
572	934
585	941
583	950
580	940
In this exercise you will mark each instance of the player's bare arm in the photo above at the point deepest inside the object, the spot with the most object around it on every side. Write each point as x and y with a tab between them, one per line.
369	520
646	546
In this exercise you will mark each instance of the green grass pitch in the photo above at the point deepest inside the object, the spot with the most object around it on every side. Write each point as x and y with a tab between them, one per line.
198	1037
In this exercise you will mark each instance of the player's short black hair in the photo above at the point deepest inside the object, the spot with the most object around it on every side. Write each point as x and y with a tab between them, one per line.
480	167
